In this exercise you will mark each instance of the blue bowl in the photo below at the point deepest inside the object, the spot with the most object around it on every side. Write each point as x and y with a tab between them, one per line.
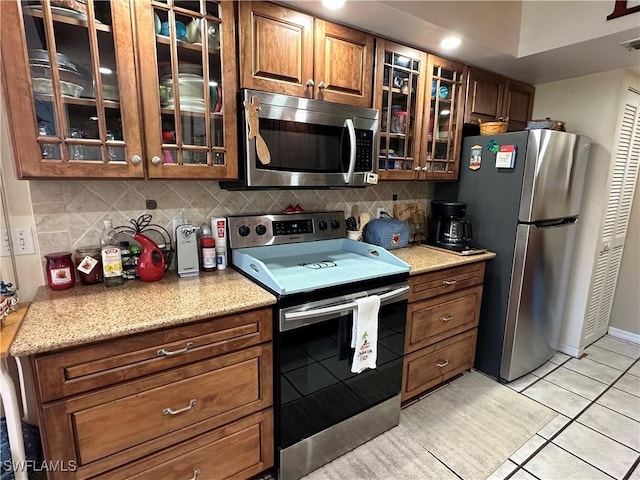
181	30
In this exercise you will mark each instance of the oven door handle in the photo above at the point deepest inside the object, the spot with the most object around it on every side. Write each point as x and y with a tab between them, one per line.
385	298
348	176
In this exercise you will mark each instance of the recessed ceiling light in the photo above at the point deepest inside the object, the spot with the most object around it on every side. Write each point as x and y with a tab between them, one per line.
450	43
333	4
106	71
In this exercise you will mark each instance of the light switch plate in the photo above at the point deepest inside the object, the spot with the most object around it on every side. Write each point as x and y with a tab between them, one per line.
22	241
4	243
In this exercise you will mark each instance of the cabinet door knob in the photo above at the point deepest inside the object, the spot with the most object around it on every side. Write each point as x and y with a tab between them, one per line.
310	83
171	411
321	85
136	159
156	160
442	364
417	169
448	283
425	169
446	319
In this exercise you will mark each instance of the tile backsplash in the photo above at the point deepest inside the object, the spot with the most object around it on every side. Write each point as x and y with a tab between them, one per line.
68	213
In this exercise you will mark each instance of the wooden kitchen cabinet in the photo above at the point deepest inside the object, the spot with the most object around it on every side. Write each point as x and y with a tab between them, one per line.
289	52
188	87
491	96
182	399
81	117
442	327
107	108
444	110
399	97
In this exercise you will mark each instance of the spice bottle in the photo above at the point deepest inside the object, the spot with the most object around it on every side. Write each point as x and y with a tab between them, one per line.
60	271
207	249
221	257
111	261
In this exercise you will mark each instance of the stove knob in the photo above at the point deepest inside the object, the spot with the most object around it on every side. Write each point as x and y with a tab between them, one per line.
261	229
244	231
322	225
335	224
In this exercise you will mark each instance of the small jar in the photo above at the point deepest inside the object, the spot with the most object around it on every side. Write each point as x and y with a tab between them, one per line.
60	270
95	275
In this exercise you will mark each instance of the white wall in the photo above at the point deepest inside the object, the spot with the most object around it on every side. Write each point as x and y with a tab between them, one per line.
18	207
589	105
549	25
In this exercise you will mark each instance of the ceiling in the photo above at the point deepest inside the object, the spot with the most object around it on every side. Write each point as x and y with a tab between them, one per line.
527	41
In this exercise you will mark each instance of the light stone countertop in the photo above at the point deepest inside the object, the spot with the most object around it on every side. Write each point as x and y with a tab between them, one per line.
423	258
58	319
89	313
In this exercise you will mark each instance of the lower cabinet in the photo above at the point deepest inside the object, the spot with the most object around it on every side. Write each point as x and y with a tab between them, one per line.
204	411
442	327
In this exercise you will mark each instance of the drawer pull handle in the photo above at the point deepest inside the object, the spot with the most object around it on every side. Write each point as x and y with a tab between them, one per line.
171	411
196	472
446	319
167	353
449	282
442	364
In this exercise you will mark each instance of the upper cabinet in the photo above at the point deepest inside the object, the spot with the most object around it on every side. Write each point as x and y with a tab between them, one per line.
491	96
399	97
69	89
285	51
188	85
81	94
420	98
445	109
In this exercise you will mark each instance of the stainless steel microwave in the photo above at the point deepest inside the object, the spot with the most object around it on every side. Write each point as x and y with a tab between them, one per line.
293	142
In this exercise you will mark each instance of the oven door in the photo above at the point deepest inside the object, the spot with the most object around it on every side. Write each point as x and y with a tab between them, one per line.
316	387
310	143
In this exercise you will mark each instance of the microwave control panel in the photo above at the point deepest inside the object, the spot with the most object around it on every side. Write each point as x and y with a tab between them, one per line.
364	151
262	230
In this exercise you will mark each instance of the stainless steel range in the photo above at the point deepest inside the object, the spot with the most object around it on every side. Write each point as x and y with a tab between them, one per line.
322	409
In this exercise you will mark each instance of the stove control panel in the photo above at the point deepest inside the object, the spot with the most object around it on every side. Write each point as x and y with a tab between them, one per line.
261	230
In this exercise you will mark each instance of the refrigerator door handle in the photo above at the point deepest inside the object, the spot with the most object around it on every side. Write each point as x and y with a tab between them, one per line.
562	222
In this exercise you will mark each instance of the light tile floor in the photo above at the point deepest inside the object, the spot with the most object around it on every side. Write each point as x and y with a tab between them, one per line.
596	432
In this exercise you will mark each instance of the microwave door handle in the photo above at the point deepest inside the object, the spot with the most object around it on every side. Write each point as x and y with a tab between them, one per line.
348	176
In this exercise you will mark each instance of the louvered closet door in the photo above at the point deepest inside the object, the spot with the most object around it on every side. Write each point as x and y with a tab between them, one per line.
622	185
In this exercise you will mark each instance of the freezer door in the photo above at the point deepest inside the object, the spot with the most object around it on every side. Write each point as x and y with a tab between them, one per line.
555	170
540	272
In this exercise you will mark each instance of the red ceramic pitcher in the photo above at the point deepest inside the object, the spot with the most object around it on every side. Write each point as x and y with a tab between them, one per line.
151	264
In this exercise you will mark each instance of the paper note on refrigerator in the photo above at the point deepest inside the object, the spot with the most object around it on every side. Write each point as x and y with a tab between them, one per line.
506	157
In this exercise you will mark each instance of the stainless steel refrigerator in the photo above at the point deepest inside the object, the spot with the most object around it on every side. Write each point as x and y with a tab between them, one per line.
524	208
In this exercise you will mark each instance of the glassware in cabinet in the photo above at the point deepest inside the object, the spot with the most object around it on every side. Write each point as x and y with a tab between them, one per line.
189	97
64	61
444	109
398	96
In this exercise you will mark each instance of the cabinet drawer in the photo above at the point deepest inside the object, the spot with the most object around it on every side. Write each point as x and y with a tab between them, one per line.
116	425
239	450
433	365
433	320
98	365
445	281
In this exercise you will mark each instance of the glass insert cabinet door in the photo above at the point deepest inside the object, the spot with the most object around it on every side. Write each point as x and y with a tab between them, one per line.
445	109
188	85
399	98
68	87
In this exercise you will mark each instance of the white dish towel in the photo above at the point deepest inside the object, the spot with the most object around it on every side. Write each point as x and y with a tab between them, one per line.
364	336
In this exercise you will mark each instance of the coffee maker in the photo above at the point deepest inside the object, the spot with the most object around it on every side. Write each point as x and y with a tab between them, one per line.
447	226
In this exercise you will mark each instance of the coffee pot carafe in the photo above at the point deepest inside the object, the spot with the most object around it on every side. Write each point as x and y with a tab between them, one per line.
448	227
